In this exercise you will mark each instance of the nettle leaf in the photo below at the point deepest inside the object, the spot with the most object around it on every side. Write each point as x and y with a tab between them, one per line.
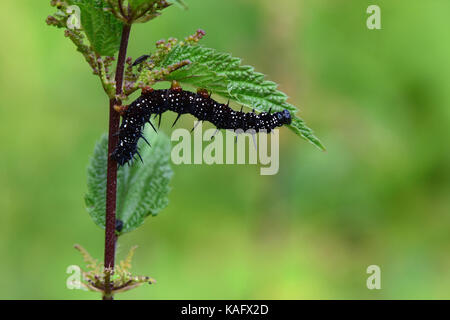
197	75
102	28
142	189
95	198
135	4
152	5
180	3
225	76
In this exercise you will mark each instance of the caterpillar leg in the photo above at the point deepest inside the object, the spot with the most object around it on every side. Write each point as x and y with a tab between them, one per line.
204	93
175	86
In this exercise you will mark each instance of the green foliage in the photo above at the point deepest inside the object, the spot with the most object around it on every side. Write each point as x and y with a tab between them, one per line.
224	75
180	3
101	27
136	4
197	75
142	189
137	11
102	23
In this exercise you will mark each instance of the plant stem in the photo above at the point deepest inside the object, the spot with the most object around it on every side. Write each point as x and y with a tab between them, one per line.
111	182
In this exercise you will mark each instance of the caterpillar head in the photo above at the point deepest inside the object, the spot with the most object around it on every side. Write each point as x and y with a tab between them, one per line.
284	117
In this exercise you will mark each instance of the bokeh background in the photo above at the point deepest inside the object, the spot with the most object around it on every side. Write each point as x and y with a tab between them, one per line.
379	100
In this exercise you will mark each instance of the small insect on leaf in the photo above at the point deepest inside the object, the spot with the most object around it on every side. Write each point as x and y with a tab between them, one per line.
140	60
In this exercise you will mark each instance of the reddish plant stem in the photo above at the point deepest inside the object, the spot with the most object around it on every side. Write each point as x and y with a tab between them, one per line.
111	181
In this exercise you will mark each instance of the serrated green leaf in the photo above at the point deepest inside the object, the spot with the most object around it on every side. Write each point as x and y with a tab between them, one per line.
142	189
135	4
299	127
225	76
101	27
197	75
95	198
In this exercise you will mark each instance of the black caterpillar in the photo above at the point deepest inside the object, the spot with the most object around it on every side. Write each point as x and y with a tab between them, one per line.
200	105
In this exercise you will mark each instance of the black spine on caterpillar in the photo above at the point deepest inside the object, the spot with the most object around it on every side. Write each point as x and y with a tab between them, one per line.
200	105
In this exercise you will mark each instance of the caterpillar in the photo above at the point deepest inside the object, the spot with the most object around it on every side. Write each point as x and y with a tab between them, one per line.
155	102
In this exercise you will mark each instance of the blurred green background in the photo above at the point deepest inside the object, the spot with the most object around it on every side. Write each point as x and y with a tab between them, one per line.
379	100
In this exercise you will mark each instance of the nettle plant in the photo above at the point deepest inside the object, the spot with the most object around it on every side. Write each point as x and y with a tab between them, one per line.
120	197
